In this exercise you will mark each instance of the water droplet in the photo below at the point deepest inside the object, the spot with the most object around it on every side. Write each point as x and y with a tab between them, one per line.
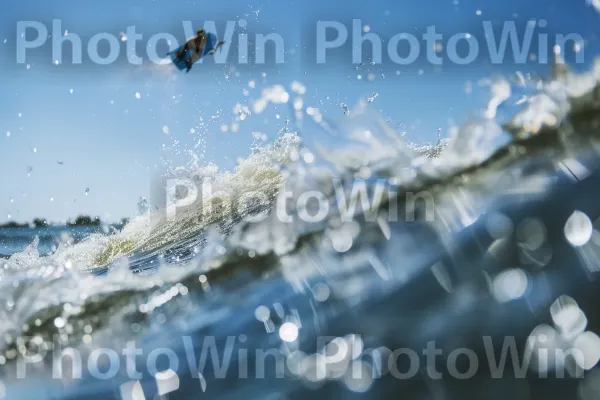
341	241
499	226
373	97
510	285
543	343
166	382
132	390
578	229
297	87
531	234
59	322
568	317
556	49
288	332
359	377
262	313
321	292
138	95
589	345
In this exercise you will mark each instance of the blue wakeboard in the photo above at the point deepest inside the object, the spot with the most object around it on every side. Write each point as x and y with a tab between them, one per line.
181	63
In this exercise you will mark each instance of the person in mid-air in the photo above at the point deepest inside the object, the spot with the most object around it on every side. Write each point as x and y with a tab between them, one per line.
202	44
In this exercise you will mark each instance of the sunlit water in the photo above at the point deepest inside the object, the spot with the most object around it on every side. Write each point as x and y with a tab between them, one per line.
505	243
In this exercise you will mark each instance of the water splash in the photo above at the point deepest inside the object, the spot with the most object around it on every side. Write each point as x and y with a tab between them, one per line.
37	288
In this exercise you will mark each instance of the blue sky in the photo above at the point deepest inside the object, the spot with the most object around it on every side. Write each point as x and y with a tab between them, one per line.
113	143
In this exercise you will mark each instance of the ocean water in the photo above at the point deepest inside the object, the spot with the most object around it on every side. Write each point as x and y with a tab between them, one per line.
502	245
15	240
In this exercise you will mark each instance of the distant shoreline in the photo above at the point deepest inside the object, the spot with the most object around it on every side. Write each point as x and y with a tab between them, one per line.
82	220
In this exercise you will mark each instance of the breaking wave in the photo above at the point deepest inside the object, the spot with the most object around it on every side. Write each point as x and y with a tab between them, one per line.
110	278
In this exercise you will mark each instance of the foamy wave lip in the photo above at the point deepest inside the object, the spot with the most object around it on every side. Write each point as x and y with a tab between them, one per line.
368	140
560	99
258	172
